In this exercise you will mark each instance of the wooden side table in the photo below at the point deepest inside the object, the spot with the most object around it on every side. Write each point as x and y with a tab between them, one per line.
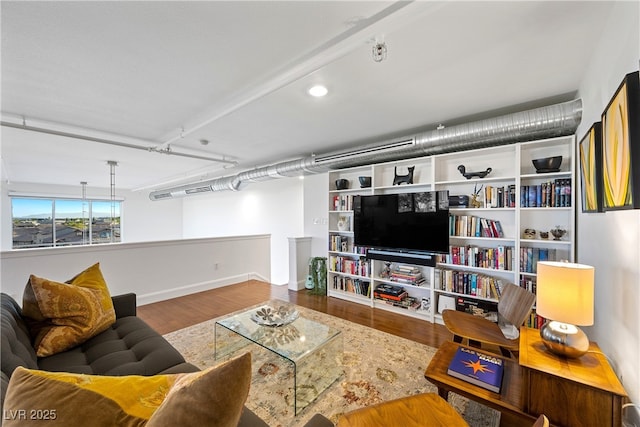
570	392
509	401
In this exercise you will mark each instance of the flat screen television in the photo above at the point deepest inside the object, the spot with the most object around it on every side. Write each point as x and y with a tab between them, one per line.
409	222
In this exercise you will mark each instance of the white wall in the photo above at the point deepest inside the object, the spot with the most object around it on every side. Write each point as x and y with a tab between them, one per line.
155	271
611	241
271	207
142	219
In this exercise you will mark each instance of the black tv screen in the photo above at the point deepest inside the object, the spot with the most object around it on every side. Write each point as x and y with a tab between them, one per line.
403	222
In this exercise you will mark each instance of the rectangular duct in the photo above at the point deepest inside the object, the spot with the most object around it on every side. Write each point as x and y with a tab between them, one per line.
198	190
370	150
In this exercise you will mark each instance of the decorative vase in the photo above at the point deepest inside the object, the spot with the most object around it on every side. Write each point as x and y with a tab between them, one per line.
558	233
342	184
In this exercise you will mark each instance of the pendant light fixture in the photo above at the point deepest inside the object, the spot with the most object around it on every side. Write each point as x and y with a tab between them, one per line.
112	174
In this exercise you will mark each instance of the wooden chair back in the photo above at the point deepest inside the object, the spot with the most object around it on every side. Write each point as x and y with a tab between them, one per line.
515	304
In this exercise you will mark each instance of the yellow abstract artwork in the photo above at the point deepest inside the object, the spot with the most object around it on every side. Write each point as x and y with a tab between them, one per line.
616	153
590	158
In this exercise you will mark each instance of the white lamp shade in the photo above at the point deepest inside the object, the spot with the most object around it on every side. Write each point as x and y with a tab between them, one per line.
565	292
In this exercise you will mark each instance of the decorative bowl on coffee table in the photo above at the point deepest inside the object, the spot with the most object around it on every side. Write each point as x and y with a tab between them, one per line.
274	315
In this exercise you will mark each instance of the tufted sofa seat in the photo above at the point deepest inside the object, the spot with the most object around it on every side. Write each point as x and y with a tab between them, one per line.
128	347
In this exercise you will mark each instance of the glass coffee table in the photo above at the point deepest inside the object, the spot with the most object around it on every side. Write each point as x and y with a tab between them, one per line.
311	350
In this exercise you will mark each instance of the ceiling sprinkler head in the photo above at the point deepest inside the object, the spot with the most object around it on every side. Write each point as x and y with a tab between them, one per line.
204	141
379	51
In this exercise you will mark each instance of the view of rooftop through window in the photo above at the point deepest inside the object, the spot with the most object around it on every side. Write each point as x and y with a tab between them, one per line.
40	222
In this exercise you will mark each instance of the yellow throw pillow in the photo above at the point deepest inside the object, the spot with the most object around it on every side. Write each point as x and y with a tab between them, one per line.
214	398
92	278
63	315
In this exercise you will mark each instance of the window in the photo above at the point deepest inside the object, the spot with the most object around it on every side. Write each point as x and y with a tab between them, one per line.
43	222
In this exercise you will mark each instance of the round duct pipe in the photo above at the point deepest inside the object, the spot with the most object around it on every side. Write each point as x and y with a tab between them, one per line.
544	122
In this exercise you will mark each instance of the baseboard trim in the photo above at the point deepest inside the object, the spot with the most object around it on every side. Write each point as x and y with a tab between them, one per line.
181	291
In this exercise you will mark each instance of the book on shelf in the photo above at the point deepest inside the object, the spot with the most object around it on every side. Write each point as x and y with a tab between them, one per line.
500	197
554	194
343	264
407	302
468	283
481	308
348	284
529	258
498	258
342	202
410	275
390	292
475	367
474	226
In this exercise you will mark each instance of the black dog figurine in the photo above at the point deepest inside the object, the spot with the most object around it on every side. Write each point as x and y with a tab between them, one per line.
399	179
470	175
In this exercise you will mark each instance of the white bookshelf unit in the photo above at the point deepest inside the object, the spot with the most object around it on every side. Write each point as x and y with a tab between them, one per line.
525	200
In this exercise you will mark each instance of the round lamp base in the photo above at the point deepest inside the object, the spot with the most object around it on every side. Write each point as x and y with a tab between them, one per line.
564	339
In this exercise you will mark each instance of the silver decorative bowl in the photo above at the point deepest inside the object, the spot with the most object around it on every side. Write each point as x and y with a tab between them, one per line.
274	316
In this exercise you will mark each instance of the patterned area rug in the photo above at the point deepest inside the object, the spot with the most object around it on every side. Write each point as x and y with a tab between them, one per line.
377	367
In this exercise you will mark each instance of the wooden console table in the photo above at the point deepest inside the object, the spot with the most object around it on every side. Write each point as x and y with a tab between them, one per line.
570	392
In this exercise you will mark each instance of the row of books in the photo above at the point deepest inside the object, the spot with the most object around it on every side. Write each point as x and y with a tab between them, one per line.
498	258
477	307
339	243
468	283
500	197
390	292
358	267
408	274
343	202
529	258
474	226
406	303
529	283
535	321
348	284
552	194
396	296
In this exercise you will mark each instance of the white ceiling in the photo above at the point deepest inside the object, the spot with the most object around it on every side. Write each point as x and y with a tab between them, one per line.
153	74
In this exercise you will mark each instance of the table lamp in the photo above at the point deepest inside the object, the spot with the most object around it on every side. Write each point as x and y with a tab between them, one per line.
565	299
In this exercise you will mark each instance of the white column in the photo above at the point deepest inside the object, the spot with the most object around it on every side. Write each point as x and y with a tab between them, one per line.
299	254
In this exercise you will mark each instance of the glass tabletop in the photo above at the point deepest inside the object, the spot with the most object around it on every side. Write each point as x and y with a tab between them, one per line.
292	340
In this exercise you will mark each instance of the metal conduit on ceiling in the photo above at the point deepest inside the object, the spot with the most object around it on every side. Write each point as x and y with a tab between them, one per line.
544	122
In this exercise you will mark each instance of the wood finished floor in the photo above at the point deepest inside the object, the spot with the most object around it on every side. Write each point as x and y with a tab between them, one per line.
177	313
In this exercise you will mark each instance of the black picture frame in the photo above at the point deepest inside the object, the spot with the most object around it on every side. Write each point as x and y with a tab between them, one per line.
621	146
590	159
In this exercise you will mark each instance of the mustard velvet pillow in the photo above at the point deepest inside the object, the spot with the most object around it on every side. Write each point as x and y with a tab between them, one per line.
63	315
214	398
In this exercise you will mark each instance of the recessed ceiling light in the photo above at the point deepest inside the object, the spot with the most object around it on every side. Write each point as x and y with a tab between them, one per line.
318	91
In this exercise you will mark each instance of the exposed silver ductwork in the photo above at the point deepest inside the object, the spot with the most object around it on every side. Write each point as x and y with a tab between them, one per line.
544	122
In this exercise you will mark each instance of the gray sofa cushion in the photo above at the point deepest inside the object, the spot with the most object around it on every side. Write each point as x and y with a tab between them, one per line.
128	347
